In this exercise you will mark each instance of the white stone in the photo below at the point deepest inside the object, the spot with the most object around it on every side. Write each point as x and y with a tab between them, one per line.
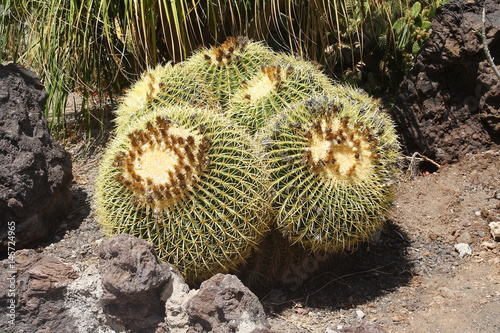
463	249
360	314
176	294
495	230
82	300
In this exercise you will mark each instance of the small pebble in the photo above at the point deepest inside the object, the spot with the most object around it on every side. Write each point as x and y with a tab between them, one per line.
447	292
465	237
301	311
494	261
360	314
488	245
495	230
463	249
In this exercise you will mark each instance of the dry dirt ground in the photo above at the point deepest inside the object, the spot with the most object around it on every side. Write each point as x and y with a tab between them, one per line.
411	279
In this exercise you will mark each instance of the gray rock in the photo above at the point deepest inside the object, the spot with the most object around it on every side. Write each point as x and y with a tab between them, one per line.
130	290
224	304
133	281
36	171
465	237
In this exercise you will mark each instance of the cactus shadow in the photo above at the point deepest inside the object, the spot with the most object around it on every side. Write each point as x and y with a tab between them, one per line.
80	210
347	280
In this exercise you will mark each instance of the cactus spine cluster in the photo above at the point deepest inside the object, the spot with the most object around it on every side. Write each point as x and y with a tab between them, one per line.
162	86
226	67
212	153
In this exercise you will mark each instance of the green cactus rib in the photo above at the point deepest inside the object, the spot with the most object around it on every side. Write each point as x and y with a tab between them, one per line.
332	162
226	67
278	85
163	86
203	212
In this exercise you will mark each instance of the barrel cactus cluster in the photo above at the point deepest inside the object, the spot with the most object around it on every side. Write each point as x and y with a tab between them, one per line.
214	154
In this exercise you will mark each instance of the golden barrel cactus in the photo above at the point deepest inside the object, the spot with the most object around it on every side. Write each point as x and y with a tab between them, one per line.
227	67
191	183
164	85
212	153
279	84
333	168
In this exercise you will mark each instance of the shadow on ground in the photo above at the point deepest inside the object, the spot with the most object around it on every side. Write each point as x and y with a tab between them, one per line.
346	281
79	211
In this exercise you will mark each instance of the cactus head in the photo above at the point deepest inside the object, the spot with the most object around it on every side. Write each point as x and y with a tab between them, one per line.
224	68
332	166
162	86
162	163
338	149
188	181
278	85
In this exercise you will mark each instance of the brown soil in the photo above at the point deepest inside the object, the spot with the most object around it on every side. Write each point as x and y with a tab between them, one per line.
410	280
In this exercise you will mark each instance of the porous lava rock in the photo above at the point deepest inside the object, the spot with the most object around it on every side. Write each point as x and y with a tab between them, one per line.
36	172
448	104
133	281
36	284
224	304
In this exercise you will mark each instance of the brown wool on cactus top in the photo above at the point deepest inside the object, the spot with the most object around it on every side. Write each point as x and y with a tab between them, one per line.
339	150
272	72
271	80
162	162
228	52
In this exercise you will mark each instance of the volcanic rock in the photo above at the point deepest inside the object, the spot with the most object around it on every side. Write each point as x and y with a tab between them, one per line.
448	104
133	279
224	304
36	174
37	285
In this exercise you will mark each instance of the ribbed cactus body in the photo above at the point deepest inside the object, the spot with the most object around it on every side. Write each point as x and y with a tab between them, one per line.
165	85
278	85
225	68
191	183
332	164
